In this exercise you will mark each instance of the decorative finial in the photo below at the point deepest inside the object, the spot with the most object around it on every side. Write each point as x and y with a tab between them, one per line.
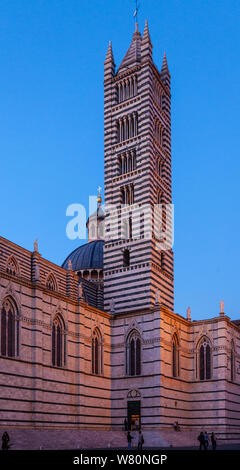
69	265
135	14
36	245
99	198
221	307
189	313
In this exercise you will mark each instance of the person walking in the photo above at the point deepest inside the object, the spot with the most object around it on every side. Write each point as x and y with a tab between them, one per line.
140	440
201	441
206	440
5	441
129	439
176	426
213	441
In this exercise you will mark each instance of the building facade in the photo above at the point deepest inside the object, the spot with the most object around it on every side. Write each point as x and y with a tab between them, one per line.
96	341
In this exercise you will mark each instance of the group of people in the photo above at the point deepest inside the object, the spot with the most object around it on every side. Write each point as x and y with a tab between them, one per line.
204	440
140	440
133	425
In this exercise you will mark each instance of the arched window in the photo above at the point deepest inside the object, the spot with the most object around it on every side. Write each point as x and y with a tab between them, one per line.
12	266
58	342
232	361
175	356
133	354
97	352
160	197
51	283
205	359
9	329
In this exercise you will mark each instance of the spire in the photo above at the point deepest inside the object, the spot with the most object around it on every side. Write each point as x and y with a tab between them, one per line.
109	56
133	54
164	68
146	34
165	75
146	47
109	65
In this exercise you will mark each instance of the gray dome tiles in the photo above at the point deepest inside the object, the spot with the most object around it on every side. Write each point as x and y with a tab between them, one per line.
88	256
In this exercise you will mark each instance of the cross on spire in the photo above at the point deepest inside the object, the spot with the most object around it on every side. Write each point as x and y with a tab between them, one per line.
135	14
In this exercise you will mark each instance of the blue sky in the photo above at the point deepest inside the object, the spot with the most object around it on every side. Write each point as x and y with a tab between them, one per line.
51	128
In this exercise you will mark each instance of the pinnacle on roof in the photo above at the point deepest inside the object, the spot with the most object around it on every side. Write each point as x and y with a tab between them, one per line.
146	46
164	68
109	56
146	34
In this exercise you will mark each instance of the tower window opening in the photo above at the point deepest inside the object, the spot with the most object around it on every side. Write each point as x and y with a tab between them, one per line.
127	127
126	89
126	258
127	194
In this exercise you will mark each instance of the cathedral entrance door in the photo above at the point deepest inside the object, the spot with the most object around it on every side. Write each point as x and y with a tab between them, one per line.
134	415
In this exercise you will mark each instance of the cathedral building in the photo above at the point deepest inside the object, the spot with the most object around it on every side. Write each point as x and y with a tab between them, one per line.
88	344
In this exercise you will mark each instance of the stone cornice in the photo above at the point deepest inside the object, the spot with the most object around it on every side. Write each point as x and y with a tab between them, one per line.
54	294
126	73
126	176
125	103
36	286
163	271
124	144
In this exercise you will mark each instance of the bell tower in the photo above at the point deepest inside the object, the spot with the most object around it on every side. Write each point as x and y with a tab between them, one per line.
138	270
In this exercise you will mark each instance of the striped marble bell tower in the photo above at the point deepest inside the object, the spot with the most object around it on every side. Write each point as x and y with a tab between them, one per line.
137	146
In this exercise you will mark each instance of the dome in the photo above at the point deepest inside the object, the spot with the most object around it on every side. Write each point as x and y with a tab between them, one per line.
88	256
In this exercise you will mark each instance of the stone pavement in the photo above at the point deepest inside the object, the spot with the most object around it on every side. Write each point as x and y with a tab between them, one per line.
34	439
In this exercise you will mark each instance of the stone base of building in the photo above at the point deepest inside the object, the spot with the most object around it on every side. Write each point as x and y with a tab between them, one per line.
22	438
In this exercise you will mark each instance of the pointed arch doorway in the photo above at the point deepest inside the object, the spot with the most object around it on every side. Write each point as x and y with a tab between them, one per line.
134	410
